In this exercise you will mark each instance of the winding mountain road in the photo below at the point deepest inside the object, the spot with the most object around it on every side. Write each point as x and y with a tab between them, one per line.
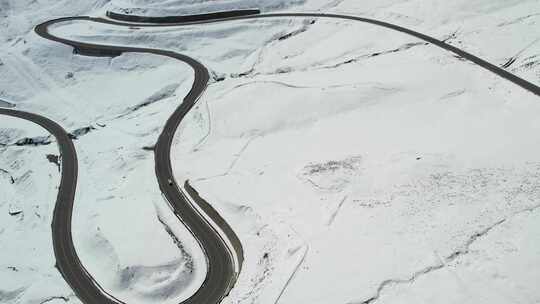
220	244
61	222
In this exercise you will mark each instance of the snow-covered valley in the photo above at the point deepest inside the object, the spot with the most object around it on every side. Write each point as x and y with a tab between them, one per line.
356	164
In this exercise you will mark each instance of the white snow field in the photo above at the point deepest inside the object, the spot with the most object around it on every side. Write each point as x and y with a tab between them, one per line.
356	164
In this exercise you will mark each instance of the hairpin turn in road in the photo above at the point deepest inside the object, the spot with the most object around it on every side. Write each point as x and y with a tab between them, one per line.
220	244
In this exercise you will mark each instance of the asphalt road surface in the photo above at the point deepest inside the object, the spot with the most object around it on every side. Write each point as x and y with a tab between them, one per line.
224	263
222	270
61	223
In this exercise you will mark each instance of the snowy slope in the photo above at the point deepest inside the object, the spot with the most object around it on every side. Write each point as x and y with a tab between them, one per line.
382	178
502	32
357	165
182	7
29	178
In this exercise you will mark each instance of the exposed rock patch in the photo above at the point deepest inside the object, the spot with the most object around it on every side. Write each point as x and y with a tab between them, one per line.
332	175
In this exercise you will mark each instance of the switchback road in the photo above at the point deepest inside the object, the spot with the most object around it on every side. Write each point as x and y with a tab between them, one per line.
220	244
61	222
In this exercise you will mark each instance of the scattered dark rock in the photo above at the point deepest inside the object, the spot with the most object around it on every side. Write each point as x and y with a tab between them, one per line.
55	159
509	63
404	47
452	36
34	141
283	70
350	163
11	179
243	74
15	212
49	299
530	62
332	175
216	77
80	132
304	28
69	75
291	34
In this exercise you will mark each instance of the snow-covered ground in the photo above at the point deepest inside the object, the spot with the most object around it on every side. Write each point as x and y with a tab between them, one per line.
29	179
357	165
182	7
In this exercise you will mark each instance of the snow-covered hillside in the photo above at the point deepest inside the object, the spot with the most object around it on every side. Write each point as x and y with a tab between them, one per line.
356	164
182	7
29	175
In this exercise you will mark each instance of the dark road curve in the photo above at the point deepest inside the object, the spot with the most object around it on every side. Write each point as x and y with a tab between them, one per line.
222	273
61	222
223	264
